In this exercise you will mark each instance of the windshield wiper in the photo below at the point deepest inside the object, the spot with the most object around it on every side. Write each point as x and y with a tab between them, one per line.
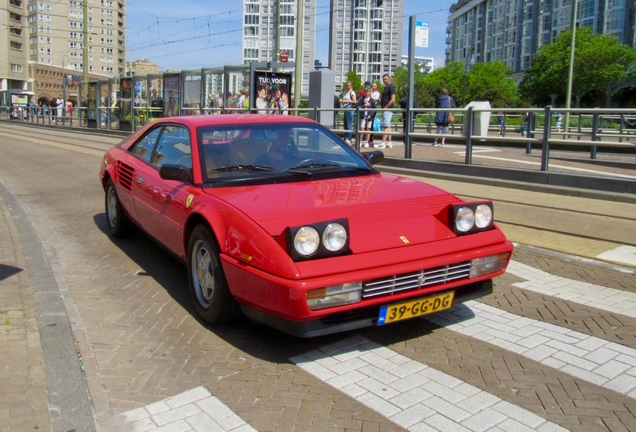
310	165
244	168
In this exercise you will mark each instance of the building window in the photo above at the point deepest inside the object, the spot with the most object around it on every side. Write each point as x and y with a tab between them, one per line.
16	68
16	46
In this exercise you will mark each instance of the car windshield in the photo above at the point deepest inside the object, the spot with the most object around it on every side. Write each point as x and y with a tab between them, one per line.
275	152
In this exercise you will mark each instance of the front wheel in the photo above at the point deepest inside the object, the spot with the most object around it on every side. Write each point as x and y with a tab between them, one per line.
118	223
208	286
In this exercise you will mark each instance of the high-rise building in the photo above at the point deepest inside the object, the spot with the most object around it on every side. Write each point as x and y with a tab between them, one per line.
513	30
365	36
56	35
14	40
269	33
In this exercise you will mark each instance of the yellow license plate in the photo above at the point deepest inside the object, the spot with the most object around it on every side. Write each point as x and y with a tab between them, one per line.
415	308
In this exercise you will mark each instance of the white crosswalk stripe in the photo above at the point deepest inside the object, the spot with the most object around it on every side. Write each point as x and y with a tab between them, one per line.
412	394
194	410
609	299
418	397
592	359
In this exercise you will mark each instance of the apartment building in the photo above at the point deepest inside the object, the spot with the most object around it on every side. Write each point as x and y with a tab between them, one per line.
14	69
513	30
141	67
365	36
269	34
56	34
422	64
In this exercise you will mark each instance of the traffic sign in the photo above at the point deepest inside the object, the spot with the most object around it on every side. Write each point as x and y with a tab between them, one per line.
421	34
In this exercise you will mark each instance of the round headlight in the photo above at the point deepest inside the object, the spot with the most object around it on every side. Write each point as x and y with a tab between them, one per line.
334	237
483	216
465	219
306	241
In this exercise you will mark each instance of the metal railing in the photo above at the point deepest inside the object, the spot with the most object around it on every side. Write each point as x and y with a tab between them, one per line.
534	128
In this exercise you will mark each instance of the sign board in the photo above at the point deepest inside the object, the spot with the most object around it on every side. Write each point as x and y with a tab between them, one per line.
138	87
284	56
421	34
271	92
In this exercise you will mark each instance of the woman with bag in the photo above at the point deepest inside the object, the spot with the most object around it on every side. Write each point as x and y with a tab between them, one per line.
442	118
348	100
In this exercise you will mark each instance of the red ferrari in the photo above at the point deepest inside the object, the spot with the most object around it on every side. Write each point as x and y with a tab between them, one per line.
278	219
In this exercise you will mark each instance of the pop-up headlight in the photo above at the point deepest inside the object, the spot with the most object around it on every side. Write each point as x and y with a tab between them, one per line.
469	218
318	240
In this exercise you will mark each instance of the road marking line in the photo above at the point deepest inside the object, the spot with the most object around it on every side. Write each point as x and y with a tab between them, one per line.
411	394
599	297
592	359
554	166
622	254
193	410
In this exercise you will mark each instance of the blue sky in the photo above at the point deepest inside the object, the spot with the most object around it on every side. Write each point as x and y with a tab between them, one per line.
202	33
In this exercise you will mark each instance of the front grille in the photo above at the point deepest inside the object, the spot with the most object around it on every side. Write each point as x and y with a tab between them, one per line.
415	280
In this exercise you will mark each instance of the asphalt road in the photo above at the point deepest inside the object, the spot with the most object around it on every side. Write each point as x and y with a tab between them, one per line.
139	343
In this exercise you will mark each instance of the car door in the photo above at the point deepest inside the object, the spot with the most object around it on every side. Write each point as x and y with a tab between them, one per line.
128	166
161	204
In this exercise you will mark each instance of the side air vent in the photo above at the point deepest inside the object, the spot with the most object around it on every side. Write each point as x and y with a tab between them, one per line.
124	175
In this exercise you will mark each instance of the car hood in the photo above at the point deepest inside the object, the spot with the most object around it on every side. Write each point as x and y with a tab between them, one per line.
383	211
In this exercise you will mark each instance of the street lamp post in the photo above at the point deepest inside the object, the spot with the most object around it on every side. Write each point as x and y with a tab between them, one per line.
571	70
467	65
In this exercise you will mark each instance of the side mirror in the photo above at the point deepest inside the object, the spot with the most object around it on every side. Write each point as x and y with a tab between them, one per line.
176	172
374	157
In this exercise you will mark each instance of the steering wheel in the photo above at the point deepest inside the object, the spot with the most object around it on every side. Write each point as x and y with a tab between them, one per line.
310	161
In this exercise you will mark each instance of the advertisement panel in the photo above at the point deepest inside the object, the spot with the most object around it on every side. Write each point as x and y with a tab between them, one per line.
125	104
171	95
272	91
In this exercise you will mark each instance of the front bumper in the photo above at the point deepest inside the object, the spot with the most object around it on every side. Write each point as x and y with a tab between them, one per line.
354	319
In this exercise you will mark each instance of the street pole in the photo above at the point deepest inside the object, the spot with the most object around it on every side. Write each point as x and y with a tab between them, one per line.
408	117
298	69
85	53
571	71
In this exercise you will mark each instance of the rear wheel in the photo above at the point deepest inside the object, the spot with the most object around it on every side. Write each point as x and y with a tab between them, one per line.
119	224
208	286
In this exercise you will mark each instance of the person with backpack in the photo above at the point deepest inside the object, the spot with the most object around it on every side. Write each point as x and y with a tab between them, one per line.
444	100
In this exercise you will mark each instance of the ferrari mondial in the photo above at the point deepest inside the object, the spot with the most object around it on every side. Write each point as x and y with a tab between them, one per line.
278	219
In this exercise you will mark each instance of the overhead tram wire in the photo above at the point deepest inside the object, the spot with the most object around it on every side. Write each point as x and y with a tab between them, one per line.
142	45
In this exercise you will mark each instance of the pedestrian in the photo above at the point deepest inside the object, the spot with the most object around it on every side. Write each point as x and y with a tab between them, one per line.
444	100
241	100
368	116
559	121
348	101
54	108
388	101
60	104
500	122
375	95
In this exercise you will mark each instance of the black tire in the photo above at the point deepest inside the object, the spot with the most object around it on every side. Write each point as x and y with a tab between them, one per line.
209	289
119	224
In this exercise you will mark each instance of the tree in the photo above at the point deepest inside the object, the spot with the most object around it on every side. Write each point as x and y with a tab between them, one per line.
356	82
599	63
490	82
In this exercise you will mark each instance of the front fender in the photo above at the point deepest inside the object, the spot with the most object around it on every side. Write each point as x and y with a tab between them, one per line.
243	239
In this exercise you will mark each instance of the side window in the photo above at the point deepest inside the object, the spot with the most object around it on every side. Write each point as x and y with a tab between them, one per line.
143	147
173	148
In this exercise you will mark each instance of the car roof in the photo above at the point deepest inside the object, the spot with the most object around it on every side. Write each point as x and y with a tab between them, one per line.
234	119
